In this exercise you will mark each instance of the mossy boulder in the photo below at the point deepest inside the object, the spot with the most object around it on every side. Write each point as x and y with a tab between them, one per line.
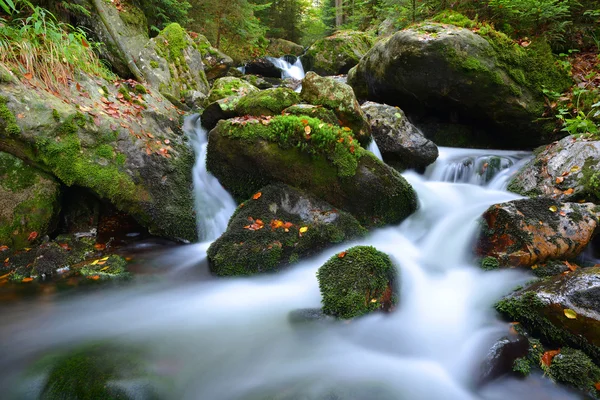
267	102
264	67
173	63
216	63
339	98
230	86
278	226
338	53
567	170
358	281
530	231
259	81
574	368
131	154
29	203
319	112
562	310
246	154
483	79
281	47
402	145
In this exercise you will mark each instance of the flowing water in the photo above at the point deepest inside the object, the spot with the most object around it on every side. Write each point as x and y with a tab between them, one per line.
232	339
293	70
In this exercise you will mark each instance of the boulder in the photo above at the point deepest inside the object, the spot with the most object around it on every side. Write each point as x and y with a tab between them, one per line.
338	53
123	144
216	63
319	112
530	231
263	67
358	281
172	63
267	102
481	79
278	226
259	81
29	203
562	310
248	153
230	86
281	47
339	98
567	170
402	145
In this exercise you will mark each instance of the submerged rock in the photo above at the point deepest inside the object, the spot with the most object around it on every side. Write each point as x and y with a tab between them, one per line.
502	355
246	154
562	311
29	203
338	53
482	79
278	226
530	231
358	281
263	67
339	98
402	145
567	170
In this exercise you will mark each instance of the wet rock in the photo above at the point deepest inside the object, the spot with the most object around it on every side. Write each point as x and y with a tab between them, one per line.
481	79
267	102
258	81
281	47
339	98
309	316
230	86
358	281
263	67
219	110
130	153
530	231
320	112
562	310
278	228
246	154
29	203
338	53
501	358
567	170
402	145
80	211
216	63
194	99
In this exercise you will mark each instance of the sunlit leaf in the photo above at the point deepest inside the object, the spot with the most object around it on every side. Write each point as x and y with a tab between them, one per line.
553	208
27	280
570	313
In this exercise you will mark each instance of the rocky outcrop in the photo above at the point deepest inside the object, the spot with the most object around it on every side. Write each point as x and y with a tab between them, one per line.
216	63
338	53
267	102
562	311
263	67
567	170
319	112
276	227
230	86
402	145
530	231
326	161
29	203
339	98
122	143
358	281
478	79
281	47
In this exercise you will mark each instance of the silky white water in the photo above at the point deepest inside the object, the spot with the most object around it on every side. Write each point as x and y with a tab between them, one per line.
289	70
231	339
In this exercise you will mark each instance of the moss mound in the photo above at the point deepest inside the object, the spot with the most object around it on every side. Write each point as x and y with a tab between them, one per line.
358	281
230	86
267	102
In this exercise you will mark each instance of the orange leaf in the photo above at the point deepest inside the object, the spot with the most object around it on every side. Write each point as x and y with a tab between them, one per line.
341	140
27	280
304	121
597	386
3	248
352	149
94	277
28	76
276	223
85	43
287	225
307	130
342	254
20	116
568	191
100	246
559	179
571	266
346	129
257	196
64	246
548	356
32	236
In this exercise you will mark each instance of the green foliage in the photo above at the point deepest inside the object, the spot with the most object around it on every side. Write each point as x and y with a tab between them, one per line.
578	111
161	13
575	368
489	263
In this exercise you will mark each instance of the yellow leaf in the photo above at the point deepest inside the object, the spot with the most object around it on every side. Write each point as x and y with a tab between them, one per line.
553	208
303	229
104	259
575	168
95	262
570	313
307	130
105	268
346	129
534	266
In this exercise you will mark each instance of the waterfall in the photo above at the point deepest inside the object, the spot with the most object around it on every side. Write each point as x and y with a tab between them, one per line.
289	70
214	205
373	148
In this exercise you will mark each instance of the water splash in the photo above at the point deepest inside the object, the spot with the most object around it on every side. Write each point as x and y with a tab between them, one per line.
293	70
373	148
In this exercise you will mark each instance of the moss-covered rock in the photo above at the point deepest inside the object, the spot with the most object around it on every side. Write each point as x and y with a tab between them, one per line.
402	145
259	81
132	154
574	368
29	203
482	79
530	231
338	53
567	170
339	98
246	154
562	310
358	281
216	63
319	112
230	86
278	226
267	102
281	47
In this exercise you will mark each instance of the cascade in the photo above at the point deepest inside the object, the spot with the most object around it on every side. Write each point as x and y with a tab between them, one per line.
293	70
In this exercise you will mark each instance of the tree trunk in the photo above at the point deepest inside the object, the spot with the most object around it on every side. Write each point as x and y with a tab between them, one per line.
339	13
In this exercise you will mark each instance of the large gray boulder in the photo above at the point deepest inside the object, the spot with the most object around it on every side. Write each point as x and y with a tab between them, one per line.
461	77
338	53
402	144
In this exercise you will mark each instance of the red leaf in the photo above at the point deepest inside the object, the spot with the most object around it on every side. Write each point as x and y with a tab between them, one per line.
3	248
257	196
548	356
342	254
32	236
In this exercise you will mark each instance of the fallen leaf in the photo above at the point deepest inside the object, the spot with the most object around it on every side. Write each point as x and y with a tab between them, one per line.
27	280
64	246
553	208
562	213
257	196
346	129
276	223
32	236
568	191
3	248
548	356
94	277
559	179
20	116
571	266
597	386
100	246
105	268
28	76
342	254
575	168
570	313
303	229
307	130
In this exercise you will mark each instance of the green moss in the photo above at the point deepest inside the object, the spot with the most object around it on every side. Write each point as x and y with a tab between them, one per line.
522	366
10	121
359	282
176	42
120	159
454	18
154	64
15	175
229	86
55	115
489	263
114	267
140	89
105	151
574	368
267	102
125	92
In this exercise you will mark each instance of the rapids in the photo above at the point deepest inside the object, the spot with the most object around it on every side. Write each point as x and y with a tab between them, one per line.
232	339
